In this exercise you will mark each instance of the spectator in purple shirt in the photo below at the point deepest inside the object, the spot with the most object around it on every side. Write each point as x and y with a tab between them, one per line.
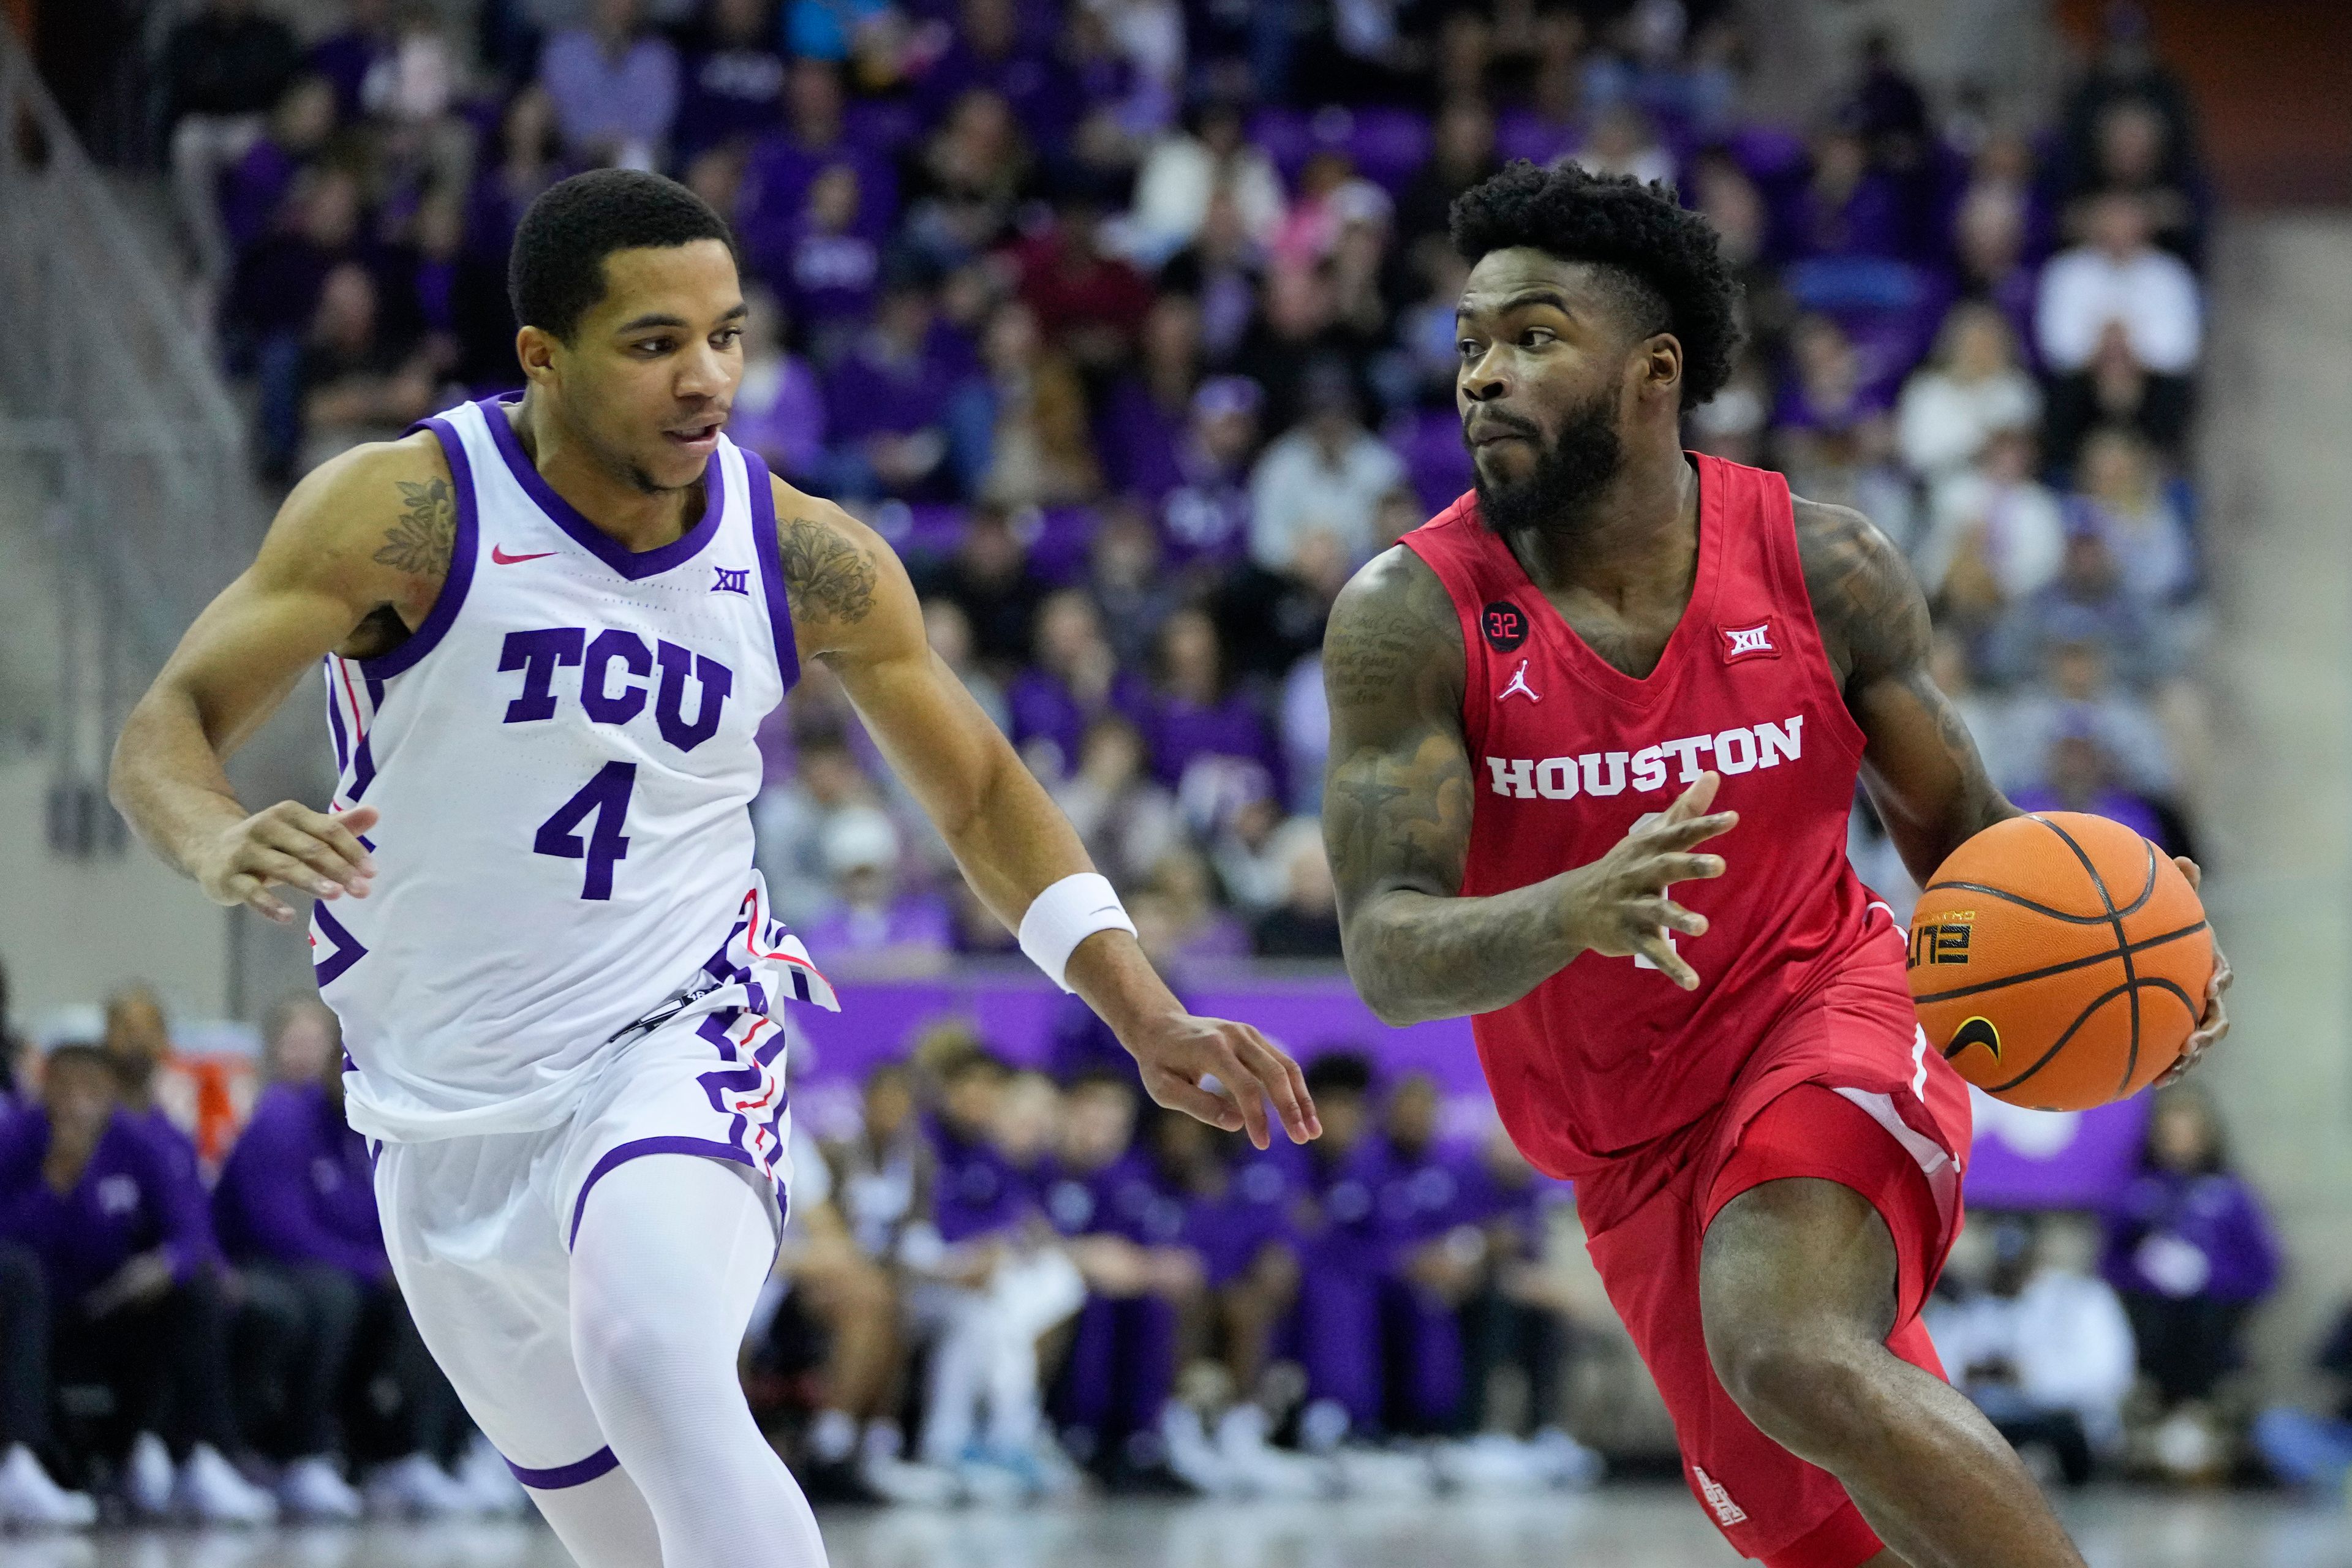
1438	1262
1236	1213
887	403
1147	419
2189	1250
1345	1250
136	1301
784	164
1125	1230
1204	520
779	405
255	187
614	85
296	1210
1075	681
1191	717
1849	209
138	1047
732	82
1504	1322
989	52
830	267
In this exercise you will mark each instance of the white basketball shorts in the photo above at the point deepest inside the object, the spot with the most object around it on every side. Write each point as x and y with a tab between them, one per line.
480	1228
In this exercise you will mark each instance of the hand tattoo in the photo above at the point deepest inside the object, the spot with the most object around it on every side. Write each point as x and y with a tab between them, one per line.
421	541
825	575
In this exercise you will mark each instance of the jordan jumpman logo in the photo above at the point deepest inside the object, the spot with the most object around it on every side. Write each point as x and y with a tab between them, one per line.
1519	687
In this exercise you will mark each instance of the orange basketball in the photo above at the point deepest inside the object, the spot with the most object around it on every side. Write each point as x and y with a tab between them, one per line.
2059	960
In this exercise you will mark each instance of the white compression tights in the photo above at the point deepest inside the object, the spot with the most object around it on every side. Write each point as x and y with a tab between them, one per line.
668	1262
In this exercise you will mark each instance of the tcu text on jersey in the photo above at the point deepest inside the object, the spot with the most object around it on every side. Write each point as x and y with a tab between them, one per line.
608	700
1736	750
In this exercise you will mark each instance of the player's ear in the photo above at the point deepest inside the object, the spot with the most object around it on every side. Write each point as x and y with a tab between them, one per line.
536	348
1661	359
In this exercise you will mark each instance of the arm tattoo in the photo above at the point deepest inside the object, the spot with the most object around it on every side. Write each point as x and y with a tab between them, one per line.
1397	808
1921	763
825	576
420	542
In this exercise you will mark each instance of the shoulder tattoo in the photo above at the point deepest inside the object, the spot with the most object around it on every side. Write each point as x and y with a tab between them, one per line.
825	574
1866	599
1397	630
421	541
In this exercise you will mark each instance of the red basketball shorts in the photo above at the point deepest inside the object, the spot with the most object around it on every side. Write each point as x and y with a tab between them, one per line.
1842	1091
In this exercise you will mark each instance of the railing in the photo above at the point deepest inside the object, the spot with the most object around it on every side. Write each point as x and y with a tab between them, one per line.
112	410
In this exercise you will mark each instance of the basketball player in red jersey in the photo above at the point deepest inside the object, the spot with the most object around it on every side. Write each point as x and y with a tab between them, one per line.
1536	701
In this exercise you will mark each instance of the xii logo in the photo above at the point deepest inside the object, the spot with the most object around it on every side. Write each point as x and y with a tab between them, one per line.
732	580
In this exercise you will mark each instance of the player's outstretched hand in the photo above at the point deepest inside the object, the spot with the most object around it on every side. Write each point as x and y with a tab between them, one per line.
1617	906
2216	1021
1180	1051
287	845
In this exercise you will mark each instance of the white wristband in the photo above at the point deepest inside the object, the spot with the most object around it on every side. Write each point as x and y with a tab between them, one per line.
1065	915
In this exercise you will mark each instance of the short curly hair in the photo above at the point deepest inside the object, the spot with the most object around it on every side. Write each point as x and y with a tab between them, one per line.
555	274
1675	279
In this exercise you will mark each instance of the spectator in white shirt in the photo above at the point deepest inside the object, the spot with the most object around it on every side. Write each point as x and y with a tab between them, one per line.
1973	387
2044	1350
1183	168
1995	533
2119	276
1328	475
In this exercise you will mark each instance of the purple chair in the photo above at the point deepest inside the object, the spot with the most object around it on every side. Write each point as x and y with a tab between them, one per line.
1281	133
1523	133
932	530
1058	551
1388	146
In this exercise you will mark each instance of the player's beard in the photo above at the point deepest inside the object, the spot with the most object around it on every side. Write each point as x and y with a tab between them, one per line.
1568	476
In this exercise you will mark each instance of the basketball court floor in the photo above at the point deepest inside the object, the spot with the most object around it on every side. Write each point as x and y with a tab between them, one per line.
1618	1527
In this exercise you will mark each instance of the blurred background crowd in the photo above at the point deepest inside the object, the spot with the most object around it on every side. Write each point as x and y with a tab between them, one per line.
1129	324
1004	1282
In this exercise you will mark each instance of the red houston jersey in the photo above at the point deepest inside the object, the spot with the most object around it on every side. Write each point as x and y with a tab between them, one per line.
1568	754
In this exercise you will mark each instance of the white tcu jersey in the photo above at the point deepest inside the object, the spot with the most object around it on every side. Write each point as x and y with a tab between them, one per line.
563	756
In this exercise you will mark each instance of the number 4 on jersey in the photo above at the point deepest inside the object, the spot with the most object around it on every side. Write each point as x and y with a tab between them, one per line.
607	795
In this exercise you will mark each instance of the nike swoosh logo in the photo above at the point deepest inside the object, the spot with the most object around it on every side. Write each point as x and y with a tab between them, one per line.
503	559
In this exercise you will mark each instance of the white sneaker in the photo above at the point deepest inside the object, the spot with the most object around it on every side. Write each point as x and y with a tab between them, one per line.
495	1492
1260	1470
1566	1464
882	1465
418	1487
1386	1473
313	1488
148	1476
29	1496
1194	1459
211	1490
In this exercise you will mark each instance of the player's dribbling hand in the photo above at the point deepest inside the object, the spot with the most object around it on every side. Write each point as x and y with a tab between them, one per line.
287	845
1179	1050
1617	906
2216	1021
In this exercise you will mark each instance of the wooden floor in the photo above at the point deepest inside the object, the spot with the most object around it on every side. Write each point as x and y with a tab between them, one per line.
1618	1527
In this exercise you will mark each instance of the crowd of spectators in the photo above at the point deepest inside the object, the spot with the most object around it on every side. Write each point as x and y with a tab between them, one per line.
1129	324
993	1281
2118	1342
212	1335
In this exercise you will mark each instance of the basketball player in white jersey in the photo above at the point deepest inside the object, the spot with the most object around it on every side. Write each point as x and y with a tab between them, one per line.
551	626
